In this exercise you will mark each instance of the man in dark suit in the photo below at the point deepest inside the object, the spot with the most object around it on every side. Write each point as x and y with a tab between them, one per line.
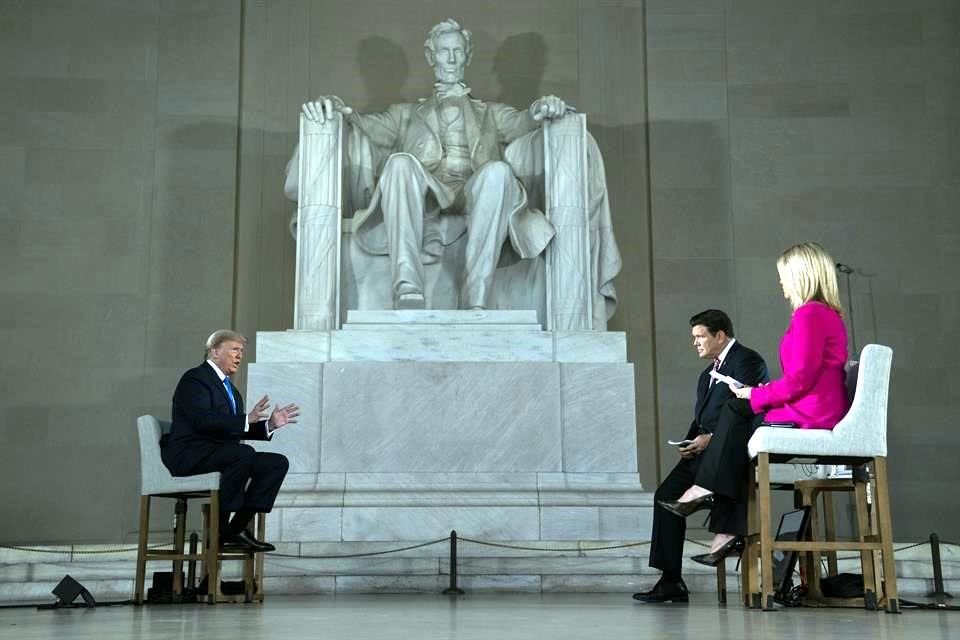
714	341
207	427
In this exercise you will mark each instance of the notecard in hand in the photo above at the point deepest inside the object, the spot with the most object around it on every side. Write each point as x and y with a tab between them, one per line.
719	377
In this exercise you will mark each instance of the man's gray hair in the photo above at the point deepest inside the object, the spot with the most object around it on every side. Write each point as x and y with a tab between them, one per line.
220	336
447	26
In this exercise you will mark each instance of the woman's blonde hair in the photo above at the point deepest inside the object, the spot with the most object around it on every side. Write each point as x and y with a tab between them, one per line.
808	272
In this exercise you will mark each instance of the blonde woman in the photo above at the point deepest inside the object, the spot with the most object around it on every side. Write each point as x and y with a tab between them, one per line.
810	395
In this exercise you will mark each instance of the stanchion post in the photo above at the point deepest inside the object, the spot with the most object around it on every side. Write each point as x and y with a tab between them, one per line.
938	593
453	589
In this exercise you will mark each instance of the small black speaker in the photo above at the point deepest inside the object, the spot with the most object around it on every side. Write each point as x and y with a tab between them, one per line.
67	591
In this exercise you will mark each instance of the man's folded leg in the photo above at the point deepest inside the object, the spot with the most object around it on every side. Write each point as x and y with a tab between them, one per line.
249	483
267	472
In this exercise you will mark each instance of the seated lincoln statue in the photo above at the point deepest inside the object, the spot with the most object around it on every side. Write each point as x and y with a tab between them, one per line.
426	174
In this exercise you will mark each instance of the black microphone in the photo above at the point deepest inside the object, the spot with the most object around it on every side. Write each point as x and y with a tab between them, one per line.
843	268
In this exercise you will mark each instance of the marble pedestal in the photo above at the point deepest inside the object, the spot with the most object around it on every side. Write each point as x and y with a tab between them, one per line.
416	423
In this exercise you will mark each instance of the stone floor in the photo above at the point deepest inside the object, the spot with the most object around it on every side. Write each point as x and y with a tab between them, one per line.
500	616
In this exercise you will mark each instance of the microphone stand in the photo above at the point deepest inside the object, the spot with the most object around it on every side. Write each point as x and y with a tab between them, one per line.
847	270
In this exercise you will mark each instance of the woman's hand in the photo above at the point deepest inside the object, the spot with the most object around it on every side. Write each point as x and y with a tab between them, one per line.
741	392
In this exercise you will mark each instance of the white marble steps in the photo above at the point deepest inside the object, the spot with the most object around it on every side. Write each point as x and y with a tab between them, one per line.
357	489
426	328
493	506
441	336
412	342
525	318
28	576
489	522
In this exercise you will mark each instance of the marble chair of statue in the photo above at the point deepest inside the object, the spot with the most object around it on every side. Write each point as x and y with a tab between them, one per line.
569	284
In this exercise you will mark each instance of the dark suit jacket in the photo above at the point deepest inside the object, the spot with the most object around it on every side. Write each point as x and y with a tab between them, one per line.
743	364
202	418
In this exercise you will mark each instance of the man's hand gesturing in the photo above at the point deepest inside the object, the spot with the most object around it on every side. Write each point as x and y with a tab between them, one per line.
257	413
282	416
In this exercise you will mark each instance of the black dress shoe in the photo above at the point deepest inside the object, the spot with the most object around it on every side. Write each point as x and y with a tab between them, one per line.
246	540
683	509
664	591
712	559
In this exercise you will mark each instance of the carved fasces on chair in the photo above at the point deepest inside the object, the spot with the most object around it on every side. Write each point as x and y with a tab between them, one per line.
569	283
319	210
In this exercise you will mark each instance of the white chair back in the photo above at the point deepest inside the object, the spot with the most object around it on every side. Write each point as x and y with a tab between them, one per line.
867	418
155	479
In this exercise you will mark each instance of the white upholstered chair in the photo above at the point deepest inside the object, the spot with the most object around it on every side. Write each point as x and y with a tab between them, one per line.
859	439
156	482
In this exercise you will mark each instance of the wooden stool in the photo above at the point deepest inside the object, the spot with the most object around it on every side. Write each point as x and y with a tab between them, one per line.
807	492
156	482
873	538
252	562
858	440
177	555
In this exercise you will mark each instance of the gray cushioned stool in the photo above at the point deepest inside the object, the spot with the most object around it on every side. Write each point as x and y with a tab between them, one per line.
156	482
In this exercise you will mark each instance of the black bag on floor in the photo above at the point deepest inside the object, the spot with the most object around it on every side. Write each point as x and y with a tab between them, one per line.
162	590
843	585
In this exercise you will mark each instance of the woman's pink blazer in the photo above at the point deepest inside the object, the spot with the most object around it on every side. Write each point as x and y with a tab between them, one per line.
811	392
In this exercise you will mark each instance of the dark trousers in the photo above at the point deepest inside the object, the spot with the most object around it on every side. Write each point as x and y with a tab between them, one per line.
725	465
669	530
249	479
